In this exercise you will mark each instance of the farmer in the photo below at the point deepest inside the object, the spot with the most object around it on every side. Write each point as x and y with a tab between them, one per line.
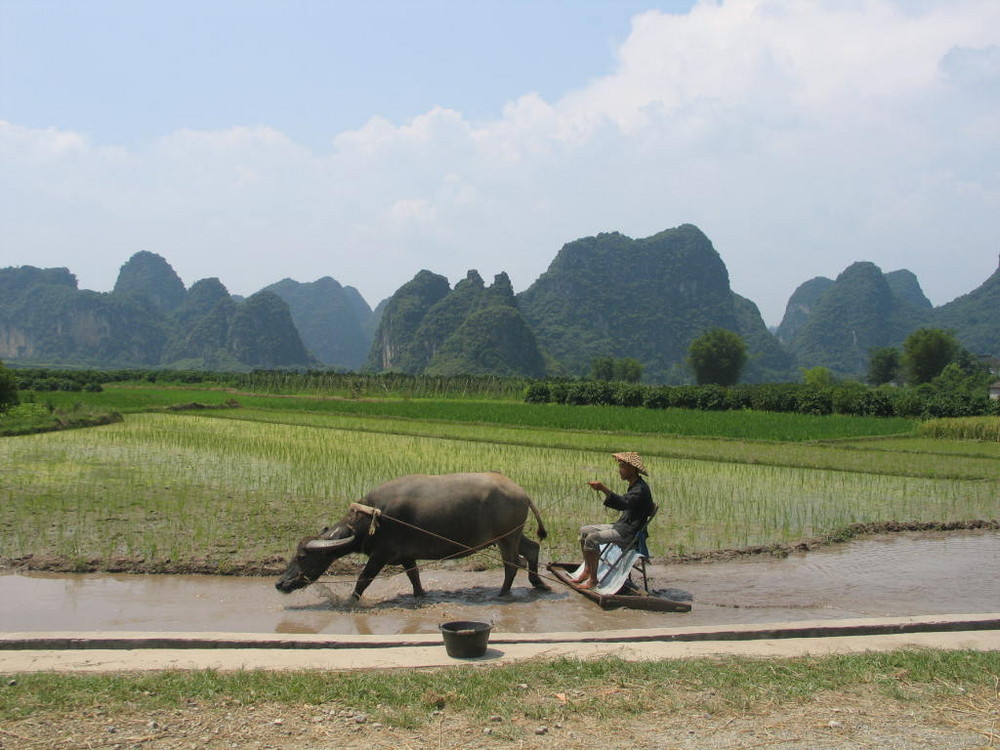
636	504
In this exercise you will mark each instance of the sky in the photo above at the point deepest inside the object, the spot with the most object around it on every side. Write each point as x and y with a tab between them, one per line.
257	140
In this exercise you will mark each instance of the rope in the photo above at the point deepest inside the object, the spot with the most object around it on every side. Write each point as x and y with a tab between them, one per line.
464	547
377	514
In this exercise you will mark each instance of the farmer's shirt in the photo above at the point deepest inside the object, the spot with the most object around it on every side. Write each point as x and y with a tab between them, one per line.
636	504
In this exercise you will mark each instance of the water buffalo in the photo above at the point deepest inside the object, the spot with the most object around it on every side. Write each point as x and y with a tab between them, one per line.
423	517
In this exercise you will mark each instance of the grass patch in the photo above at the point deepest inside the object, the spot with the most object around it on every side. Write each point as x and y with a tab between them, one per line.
603	688
129	399
745	425
30	418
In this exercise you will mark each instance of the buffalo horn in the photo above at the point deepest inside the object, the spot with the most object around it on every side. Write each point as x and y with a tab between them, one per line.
319	544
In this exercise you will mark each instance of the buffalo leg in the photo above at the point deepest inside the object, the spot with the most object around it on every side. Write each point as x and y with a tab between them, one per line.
368	574
529	551
413	573
509	554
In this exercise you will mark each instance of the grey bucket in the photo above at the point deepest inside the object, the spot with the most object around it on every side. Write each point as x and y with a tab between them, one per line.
465	639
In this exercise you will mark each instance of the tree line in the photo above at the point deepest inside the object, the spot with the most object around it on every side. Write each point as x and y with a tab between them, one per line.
930	376
717	357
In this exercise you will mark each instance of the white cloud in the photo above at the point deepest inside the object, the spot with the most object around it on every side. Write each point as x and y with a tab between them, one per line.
412	211
800	135
38	147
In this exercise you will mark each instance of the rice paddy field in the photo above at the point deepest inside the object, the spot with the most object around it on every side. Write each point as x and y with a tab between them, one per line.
226	489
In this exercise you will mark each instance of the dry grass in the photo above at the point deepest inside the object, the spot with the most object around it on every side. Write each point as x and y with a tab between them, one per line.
857	717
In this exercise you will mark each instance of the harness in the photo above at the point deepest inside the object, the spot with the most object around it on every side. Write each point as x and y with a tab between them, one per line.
375	513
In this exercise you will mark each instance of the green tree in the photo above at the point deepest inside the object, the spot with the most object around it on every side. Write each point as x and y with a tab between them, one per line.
8	389
964	374
717	357
602	368
883	365
628	370
817	377
609	369
926	352
973	367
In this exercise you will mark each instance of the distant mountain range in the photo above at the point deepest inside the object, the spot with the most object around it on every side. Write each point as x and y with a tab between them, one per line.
837	323
604	296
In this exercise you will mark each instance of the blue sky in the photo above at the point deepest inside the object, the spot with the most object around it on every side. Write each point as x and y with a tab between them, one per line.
126	71
256	140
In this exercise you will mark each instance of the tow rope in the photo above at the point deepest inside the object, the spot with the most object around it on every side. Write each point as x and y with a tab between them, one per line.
368	510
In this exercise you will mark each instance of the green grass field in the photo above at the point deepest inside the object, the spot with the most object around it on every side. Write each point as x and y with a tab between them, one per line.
222	489
605	689
737	425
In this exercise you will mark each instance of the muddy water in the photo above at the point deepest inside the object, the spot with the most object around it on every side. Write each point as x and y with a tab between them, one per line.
900	574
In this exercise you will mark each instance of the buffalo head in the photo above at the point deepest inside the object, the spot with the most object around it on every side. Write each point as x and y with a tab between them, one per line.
315	554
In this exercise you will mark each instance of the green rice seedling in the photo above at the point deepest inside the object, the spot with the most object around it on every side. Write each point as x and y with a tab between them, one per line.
737	425
870	456
229	487
923	447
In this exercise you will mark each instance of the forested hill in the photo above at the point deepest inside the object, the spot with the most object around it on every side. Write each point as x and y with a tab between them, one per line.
334	321
613	296
148	320
975	317
607	296
836	324
427	327
857	313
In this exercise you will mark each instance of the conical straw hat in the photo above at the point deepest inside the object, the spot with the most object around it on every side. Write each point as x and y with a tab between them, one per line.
632	459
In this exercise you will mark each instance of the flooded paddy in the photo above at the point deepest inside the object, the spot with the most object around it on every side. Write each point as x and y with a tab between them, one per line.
888	575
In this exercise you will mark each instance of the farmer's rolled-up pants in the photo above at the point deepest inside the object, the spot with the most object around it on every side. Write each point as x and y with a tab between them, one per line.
593	536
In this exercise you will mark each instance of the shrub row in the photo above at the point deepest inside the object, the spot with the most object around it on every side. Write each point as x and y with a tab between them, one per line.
42	380
923	402
93	380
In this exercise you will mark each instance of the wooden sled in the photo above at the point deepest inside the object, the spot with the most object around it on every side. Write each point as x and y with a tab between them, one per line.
614	575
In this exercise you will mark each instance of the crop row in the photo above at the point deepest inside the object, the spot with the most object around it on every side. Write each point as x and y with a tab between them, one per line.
355	385
169	488
744	425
